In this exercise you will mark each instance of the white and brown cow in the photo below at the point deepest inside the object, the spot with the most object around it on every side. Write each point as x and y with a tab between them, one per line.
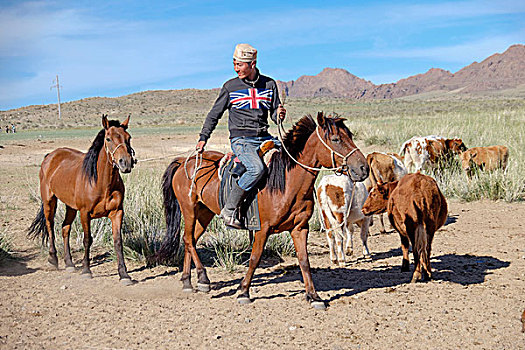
486	158
339	210
417	209
426	151
384	167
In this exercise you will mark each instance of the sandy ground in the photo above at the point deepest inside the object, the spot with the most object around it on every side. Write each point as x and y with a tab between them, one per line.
474	302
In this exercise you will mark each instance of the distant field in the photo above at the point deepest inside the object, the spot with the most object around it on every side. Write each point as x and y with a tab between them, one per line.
384	124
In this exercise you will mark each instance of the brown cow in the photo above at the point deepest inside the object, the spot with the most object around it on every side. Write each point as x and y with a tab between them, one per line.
416	208
486	158
384	167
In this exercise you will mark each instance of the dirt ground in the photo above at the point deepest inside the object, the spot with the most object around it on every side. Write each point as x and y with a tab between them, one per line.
474	301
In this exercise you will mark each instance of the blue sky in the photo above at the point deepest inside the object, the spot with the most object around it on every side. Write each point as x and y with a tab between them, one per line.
114	48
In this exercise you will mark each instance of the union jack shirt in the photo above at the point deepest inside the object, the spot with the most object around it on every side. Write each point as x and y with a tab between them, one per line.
252	98
249	106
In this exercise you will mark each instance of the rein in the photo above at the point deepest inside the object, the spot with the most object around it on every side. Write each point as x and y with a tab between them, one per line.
198	163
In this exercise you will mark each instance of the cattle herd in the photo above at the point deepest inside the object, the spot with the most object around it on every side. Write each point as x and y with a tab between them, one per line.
415	206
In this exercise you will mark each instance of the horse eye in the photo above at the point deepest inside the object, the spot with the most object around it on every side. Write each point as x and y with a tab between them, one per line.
108	139
335	139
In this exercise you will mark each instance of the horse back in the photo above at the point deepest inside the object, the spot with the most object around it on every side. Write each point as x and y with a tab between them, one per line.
59	172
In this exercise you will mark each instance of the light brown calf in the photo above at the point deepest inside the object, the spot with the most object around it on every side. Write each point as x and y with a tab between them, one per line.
384	167
486	158
417	209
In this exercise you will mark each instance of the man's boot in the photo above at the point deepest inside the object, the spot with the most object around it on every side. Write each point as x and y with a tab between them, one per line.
233	202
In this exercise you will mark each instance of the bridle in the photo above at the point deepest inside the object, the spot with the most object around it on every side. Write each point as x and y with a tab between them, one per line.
337	169
111	154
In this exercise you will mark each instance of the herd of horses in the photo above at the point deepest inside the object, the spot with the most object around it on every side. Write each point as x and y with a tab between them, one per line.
91	184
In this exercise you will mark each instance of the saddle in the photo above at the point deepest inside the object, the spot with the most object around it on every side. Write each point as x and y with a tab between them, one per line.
230	169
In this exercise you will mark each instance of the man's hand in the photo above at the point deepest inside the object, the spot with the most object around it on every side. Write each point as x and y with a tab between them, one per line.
281	112
200	146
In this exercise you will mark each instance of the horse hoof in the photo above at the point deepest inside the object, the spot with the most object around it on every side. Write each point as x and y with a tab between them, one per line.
318	305
70	269
187	290
86	275
244	300
203	287
126	282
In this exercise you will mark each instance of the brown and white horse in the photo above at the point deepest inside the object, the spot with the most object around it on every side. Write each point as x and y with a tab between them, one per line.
286	202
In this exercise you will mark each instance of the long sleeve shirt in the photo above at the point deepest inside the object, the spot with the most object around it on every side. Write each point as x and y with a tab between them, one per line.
249	104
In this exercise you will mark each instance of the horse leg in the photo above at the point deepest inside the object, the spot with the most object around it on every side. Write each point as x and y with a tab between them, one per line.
86	225
204	219
116	225
66	229
190	253
405	245
255	258
300	239
50	207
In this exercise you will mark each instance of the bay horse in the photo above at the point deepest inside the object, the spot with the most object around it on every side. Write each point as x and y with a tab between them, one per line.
90	183
286	202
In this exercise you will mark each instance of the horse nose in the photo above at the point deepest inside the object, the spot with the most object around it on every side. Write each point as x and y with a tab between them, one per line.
124	166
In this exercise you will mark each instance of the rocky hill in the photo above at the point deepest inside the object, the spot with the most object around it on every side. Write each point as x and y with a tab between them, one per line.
497	72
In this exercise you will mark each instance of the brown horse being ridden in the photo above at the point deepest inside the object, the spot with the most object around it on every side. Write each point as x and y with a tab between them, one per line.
286	203
89	183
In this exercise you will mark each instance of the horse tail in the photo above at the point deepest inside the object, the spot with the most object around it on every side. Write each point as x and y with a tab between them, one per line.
38	226
170	244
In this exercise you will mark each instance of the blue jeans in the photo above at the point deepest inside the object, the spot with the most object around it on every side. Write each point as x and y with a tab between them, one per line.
245	148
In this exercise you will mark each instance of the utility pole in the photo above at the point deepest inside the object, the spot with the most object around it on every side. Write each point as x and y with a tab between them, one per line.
57	86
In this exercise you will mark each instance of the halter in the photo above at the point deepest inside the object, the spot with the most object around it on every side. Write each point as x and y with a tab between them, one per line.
334	168
112	153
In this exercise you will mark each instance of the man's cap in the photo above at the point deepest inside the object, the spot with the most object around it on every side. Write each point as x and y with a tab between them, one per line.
245	53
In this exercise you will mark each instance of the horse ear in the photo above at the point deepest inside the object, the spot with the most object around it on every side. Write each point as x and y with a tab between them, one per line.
105	122
125	123
320	119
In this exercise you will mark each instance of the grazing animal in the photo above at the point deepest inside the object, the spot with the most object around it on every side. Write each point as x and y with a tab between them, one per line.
286	202
384	167
486	158
90	183
340	203
427	151
416	208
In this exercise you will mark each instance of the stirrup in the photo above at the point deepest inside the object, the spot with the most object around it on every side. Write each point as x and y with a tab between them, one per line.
232	221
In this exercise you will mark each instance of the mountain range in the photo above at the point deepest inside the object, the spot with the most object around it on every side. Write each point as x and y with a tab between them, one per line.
497	72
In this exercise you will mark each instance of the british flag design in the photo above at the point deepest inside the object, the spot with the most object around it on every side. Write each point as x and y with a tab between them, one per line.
252	98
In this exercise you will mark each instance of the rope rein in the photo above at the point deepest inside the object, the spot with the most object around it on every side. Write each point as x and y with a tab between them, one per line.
198	163
343	167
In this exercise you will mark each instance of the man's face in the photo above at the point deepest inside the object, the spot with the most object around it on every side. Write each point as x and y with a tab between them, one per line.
243	69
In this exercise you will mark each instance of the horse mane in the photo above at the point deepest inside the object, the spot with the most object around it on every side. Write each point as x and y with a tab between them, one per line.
294	141
89	165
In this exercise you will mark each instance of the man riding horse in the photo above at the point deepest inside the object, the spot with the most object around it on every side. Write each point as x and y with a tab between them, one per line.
249	98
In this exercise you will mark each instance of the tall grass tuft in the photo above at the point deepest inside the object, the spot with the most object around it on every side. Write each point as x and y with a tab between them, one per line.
6	245
230	247
479	123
